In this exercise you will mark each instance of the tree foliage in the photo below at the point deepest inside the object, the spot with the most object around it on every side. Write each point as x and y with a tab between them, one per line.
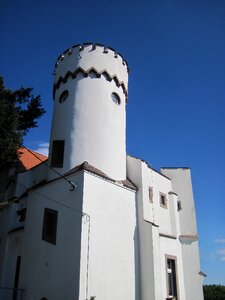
214	292
19	111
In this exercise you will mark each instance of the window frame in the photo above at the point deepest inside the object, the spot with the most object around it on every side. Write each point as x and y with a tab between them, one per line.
49	234
164	205
115	98
63	96
150	194
57	159
22	214
174	275
179	205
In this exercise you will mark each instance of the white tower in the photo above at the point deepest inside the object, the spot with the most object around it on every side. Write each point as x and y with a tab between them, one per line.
89	120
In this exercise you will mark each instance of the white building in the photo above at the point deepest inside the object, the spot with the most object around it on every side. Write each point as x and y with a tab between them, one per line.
110	227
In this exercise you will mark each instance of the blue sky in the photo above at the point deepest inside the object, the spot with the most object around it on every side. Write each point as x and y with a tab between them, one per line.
176	103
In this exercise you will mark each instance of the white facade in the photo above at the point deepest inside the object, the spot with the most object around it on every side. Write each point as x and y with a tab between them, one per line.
112	227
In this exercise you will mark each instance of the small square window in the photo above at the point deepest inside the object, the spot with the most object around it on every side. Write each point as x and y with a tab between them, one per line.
50	225
64	95
57	154
163	200
22	214
150	194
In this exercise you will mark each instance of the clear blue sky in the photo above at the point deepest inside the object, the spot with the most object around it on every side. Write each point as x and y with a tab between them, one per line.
176	104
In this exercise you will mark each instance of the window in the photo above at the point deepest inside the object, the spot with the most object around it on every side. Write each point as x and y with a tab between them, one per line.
115	98
57	154
150	194
49	225
179	206
64	95
163	200
171	277
16	279
22	214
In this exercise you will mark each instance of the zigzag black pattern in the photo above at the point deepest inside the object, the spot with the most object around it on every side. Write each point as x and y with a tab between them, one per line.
103	73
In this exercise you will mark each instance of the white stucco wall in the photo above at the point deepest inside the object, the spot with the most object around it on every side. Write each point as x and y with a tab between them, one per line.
191	263
171	247
154	212
128	242
13	248
48	270
181	183
92	125
4	223
24	180
159	232
148	285
113	241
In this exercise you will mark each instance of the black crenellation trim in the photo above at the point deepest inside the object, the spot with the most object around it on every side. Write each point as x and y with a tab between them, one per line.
94	45
106	75
75	46
65	52
99	45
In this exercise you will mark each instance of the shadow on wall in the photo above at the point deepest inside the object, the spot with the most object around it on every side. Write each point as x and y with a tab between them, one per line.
137	266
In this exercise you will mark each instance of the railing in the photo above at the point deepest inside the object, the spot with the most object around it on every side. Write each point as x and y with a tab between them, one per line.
7	293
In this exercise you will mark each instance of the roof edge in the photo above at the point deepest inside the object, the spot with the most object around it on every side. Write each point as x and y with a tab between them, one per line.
85	166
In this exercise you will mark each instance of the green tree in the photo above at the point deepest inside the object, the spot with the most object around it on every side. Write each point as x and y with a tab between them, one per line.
19	111
214	292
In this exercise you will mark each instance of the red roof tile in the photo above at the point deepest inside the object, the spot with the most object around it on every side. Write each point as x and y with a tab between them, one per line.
29	158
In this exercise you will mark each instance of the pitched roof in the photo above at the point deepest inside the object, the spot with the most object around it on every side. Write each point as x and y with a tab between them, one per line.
88	167
29	159
85	166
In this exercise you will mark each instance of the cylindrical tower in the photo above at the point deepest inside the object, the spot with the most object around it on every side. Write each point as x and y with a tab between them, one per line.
89	119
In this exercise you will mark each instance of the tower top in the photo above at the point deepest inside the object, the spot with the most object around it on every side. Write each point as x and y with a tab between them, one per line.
89	120
80	47
91	57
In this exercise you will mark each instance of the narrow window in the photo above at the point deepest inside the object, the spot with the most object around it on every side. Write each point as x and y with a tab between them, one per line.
64	95
150	194
171	277
16	280
22	214
57	154
50	225
115	98
179	207
163	200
